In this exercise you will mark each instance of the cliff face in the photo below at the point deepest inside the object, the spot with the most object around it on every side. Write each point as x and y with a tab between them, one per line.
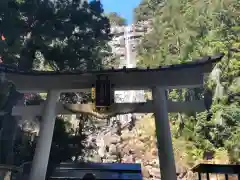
125	40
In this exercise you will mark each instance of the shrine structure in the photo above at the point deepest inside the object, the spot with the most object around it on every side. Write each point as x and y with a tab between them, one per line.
188	75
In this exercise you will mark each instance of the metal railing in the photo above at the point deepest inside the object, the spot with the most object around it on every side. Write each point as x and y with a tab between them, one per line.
226	170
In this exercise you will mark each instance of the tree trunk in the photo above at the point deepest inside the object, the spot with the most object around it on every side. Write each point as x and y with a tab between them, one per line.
9	123
9	126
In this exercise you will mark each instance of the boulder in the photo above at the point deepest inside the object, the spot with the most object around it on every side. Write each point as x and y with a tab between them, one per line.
145	173
111	139
154	152
110	159
180	169
128	159
139	161
115	140
155	172
113	149
144	138
101	152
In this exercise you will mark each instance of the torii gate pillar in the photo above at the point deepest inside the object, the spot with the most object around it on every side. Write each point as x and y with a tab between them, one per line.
163	133
42	151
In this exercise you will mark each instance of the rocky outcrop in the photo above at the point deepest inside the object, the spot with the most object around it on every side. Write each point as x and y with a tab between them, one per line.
127	147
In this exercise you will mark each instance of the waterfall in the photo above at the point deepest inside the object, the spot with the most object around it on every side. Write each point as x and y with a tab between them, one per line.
129	62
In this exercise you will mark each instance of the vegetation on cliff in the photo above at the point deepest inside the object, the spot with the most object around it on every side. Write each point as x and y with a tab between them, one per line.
116	20
182	31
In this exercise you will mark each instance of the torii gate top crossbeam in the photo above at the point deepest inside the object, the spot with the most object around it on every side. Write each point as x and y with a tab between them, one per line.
180	75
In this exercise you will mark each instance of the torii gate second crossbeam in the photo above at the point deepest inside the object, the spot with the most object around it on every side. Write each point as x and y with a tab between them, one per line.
115	109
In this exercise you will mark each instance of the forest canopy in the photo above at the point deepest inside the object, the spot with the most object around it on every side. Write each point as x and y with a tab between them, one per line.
182	31
69	35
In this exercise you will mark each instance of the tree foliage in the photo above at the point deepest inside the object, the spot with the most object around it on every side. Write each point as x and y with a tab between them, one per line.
182	31
69	35
146	10
116	20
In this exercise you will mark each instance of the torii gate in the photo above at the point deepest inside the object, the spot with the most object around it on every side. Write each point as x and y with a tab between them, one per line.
186	75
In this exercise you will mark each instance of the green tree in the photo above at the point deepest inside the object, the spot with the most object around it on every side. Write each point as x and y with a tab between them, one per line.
69	35
146	10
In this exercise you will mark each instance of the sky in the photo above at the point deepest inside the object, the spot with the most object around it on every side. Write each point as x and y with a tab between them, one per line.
122	7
